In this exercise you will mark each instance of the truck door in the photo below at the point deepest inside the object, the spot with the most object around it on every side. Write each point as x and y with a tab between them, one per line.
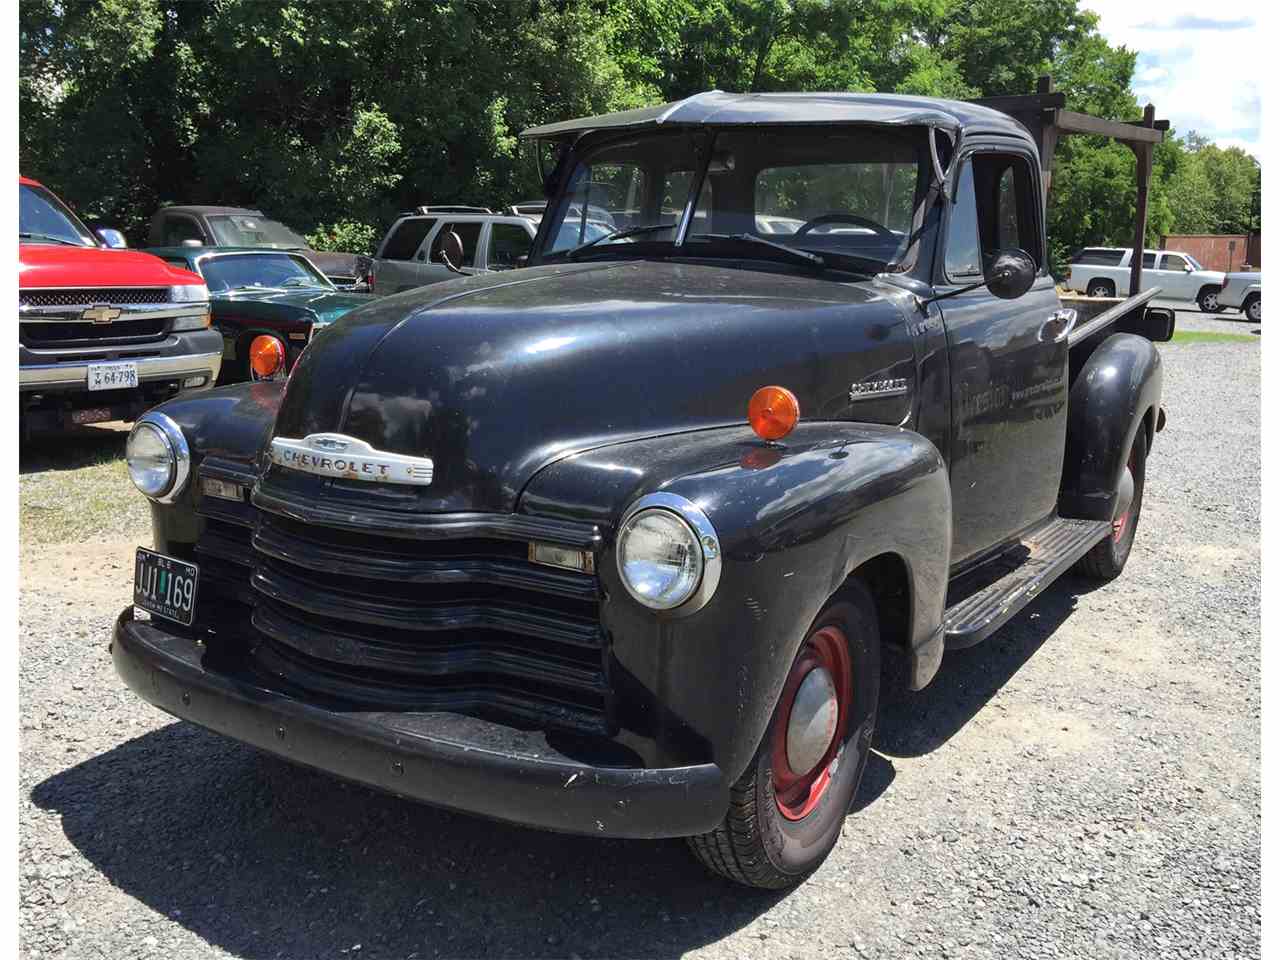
1173	276
1008	360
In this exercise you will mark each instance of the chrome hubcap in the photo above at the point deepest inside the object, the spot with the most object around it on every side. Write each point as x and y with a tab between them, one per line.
1124	500
812	724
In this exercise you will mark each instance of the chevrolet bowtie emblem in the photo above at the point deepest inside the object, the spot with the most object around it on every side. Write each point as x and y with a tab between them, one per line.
348	458
101	313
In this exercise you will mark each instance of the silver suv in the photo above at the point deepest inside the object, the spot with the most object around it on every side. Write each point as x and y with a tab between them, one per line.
409	255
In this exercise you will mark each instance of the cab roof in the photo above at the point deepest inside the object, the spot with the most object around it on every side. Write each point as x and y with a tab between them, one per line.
717	108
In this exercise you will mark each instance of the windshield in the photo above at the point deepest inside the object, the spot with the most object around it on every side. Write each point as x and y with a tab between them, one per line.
848	192
42	216
240	230
238	271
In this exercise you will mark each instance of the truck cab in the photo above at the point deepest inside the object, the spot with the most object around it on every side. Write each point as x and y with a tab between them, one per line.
615	545
103	333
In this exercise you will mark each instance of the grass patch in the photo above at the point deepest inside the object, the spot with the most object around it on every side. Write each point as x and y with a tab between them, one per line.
1207	336
76	487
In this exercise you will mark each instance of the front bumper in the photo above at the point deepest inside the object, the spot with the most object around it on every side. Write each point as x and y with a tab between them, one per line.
75	374
423	756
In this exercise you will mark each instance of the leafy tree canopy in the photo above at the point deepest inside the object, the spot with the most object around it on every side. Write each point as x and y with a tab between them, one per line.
332	113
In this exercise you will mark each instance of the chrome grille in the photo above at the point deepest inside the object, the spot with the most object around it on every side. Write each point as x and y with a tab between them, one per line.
88	296
464	623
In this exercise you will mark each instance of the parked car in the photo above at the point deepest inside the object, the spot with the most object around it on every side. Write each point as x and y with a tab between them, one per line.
1104	272
1243	291
409	255
103	333
615	549
205	226
267	305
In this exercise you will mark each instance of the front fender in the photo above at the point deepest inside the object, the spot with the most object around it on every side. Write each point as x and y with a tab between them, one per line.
1112	397
794	520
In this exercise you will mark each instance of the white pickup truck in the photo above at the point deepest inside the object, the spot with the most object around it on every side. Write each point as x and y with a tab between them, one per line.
1243	291
1104	272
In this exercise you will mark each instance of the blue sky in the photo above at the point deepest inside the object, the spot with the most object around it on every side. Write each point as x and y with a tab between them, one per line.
1201	68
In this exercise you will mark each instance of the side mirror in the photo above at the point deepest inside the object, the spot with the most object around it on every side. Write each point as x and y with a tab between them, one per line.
192	243
450	251
1011	274
111	237
1187	269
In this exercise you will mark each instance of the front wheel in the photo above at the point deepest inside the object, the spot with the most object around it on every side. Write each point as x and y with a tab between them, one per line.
786	811
1253	308
1107	558
1207	300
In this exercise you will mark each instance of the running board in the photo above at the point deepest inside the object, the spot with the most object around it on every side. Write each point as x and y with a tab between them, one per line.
980	602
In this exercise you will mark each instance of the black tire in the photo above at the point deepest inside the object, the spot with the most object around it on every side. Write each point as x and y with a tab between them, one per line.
1107	558
756	845
1207	300
1252	308
1100	288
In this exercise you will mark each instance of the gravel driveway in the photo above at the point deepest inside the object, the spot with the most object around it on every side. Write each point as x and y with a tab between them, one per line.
1084	784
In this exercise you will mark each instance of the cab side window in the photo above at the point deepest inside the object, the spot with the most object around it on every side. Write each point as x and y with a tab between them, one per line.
1008	207
1148	261
964	252
177	229
468	233
1173	262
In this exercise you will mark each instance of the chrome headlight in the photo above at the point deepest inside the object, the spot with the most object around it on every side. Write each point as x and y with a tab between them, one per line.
158	457
668	554
188	293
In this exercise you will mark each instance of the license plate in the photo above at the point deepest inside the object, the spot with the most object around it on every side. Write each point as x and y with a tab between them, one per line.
91	415
165	586
113	376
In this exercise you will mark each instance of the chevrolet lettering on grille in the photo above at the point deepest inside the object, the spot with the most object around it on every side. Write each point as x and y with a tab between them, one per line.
336	455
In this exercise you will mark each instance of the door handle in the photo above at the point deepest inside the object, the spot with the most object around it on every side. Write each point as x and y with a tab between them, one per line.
1058	325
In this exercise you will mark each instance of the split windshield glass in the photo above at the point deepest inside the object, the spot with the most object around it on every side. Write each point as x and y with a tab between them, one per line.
844	194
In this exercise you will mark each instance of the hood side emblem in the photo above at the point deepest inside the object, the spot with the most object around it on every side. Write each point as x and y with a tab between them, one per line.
348	458
869	389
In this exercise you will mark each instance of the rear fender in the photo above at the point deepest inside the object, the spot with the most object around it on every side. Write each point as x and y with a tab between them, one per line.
1116	393
793	521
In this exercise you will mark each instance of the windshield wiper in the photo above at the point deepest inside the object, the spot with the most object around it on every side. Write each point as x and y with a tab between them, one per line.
46	236
804	255
618	235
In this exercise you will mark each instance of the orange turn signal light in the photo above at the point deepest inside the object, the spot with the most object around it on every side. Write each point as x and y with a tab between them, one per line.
266	356
773	412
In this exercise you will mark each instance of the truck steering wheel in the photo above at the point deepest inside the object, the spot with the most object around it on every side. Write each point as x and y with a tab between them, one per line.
846	218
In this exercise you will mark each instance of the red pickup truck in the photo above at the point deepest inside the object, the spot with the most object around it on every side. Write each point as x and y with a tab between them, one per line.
103	333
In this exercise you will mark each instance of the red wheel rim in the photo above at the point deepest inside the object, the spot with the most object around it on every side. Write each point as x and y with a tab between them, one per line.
798	792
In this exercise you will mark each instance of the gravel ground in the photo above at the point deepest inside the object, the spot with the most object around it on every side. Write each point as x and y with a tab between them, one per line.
1085	783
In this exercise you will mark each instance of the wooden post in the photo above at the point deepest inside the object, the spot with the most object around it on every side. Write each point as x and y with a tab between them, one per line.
1047	135
1142	152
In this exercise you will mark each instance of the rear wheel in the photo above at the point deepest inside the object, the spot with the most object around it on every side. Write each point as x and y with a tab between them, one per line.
1101	288
1207	300
1253	308
1107	558
786	811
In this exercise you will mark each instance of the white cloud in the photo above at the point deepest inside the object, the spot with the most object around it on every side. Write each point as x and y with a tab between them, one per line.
1202	70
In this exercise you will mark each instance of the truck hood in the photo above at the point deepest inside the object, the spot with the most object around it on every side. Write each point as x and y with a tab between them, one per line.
59	265
496	376
326	305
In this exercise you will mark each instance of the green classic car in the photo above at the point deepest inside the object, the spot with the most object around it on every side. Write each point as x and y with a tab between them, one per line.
267	304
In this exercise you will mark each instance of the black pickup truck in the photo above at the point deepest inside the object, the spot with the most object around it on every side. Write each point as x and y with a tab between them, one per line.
613	544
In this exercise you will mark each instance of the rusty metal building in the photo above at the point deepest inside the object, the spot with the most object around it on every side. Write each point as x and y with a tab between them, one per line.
1218	251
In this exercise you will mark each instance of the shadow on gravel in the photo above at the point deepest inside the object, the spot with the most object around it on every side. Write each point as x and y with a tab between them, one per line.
264	859
73	448
913	724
